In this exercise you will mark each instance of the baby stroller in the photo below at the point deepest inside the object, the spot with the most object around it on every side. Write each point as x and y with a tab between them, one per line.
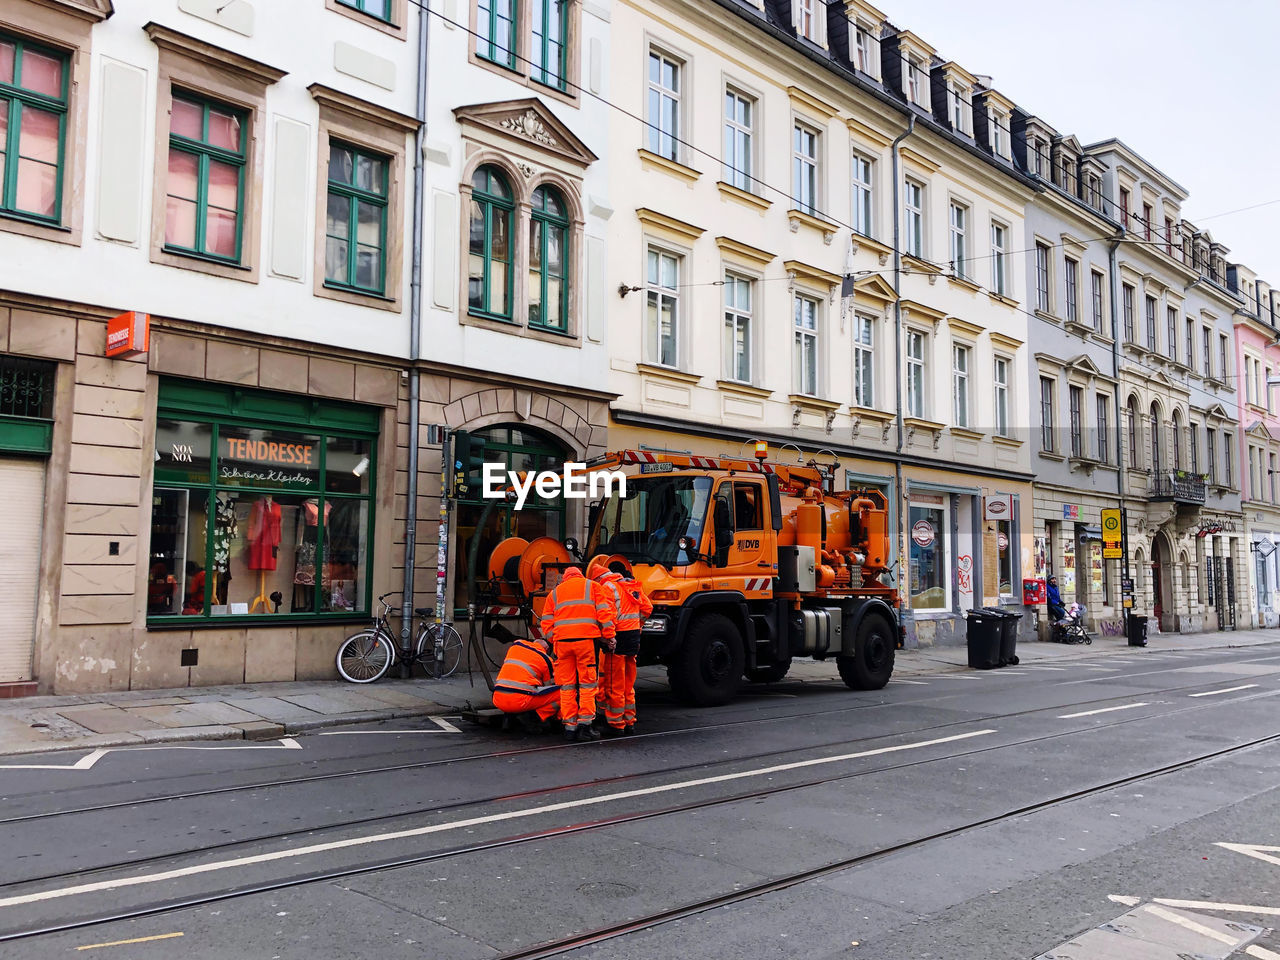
1070	629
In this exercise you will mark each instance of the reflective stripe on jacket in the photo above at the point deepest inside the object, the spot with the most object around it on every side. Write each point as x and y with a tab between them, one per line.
577	609
525	670
633	606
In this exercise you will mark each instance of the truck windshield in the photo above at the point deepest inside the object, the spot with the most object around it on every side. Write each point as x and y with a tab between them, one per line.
646	525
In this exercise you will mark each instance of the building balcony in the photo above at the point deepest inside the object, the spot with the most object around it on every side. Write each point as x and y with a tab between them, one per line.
1178	487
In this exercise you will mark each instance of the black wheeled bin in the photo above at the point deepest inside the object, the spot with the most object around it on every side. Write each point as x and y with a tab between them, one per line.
1137	630
1008	633
983	637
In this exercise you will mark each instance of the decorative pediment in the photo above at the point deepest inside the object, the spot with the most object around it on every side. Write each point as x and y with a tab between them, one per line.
1259	429
1083	364
528	124
874	287
92	10
1217	412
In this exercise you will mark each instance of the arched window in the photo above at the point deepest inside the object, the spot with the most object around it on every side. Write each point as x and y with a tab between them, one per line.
548	261
1157	464
1133	432
1176	439
490	262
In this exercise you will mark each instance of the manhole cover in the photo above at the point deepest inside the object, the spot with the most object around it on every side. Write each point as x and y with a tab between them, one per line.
606	891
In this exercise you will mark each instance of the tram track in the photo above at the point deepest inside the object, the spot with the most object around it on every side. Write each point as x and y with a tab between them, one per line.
687	909
561	746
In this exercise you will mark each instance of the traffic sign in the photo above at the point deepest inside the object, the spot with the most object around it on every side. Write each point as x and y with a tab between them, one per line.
1111	527
1112	553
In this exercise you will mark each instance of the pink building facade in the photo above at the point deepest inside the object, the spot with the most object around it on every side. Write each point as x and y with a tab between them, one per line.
1257	344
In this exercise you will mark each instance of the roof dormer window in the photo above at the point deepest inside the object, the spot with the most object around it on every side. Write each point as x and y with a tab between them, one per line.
866	49
915	80
809	20
959	108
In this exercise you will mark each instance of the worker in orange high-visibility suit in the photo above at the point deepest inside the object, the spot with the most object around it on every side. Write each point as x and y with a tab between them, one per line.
578	614
525	685
618	667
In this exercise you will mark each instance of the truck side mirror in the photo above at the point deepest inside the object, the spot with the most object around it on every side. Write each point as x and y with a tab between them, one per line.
722	518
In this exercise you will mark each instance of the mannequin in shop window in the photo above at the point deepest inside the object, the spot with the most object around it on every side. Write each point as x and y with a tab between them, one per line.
264	543
304	576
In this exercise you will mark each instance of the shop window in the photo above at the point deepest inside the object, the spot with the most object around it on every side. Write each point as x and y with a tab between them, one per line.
1004	557
258	519
480	524
930	558
33	118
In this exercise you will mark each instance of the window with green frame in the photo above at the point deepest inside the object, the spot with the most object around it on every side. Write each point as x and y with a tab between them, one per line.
261	507
480	524
375	8
204	207
496	31
550	40
356	221
33	129
489	269
548	261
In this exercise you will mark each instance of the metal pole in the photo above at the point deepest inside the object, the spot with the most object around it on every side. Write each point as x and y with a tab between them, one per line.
1120	432
899	491
415	338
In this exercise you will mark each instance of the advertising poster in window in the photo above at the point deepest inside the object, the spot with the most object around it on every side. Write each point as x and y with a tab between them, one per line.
1067	579
1095	568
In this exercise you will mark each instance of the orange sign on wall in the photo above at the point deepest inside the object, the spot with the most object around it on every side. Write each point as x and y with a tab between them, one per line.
128	334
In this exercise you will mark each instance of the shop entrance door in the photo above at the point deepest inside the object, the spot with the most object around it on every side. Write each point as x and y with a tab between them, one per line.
22	493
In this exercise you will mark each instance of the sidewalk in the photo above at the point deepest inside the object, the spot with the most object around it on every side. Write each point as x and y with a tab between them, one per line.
266	711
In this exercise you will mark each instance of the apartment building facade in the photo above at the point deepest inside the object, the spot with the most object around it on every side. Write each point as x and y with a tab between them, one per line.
217	503
757	293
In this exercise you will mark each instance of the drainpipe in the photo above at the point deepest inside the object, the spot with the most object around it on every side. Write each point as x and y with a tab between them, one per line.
897	339
415	344
1114	271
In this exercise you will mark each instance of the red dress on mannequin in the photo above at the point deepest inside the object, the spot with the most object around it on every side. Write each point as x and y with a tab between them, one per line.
264	534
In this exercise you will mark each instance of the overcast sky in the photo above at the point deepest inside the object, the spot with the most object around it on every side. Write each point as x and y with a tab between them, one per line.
1192	87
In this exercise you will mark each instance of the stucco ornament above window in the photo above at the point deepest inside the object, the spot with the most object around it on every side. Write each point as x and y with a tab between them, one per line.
528	125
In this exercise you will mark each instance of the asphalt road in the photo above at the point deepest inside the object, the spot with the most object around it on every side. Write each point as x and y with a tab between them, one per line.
972	816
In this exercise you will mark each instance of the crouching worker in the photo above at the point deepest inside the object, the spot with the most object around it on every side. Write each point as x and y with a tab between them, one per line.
618	667
525	688
578	612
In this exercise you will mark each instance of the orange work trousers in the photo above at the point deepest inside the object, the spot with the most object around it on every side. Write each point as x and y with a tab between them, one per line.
575	674
545	705
618	689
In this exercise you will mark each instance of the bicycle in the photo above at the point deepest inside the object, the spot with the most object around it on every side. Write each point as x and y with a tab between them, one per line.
367	656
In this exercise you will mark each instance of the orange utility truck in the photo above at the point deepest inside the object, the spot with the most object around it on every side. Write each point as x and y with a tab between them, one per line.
748	563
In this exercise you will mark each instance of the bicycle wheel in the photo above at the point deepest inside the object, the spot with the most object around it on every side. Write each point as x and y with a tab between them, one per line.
365	657
450	649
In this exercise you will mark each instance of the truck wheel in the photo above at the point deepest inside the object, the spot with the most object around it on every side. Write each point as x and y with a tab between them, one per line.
871	665
707	669
770	674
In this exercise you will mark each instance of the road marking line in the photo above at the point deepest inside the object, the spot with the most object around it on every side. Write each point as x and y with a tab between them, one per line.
1127	901
1036	666
290	854
918	683
87	762
1191	925
1090	713
1214	693
1206	905
1253	850
121	943
1262	953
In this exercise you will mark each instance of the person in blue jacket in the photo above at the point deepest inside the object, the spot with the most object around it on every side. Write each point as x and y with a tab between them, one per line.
1056	608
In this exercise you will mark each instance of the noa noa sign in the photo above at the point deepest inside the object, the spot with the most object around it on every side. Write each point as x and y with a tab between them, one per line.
573	482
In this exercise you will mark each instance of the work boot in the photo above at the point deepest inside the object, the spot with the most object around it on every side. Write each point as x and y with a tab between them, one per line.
629	729
586	734
571	734
613	732
530	723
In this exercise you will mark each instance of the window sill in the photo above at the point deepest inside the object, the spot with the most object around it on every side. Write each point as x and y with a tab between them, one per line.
746	389
921	265
1050	455
859	240
1004	441
200	622
183	260
745	197
549	330
798	218
1002	299
965	283
813	402
1079	329
359	298
369	19
668	373
11	222
491	318
1048	317
871	413
964	433
678	170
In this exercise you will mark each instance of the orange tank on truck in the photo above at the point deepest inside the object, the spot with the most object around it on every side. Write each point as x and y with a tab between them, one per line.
748	563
